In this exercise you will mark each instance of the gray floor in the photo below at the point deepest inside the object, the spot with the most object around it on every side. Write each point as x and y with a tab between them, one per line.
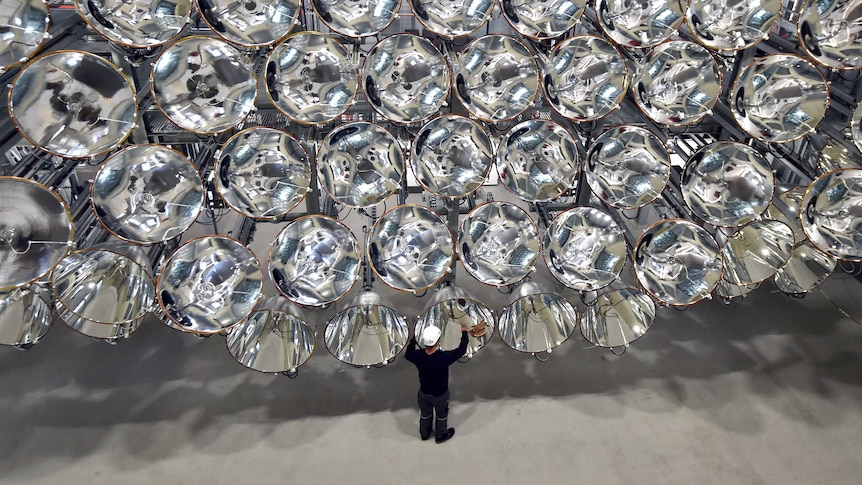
766	390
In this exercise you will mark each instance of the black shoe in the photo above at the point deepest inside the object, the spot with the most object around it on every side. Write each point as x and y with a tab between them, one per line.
425	437
442	439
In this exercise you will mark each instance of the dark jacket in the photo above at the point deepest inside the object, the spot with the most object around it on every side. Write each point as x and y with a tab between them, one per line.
434	368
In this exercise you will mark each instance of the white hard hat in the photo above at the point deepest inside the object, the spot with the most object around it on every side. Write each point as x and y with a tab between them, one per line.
430	336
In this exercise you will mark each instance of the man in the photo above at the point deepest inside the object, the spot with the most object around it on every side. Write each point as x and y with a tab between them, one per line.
433	365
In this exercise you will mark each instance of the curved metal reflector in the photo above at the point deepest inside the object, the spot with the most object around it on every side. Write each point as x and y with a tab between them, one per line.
360	164
830	32
203	84
779	98
147	194
835	155
410	248
677	83
356	18
807	268
618	318
536	319
831	214
727	183
275	338
73	104
856	126
36	231
25	316
99	331
107	285
406	79
452	156
210	284
250	23
262	173
627	167
584	249
639	24
311	78
498	243
452	18
366	332
732	25
756	252
314	260
585	78
785	208
451	308
26	29
542	19
141	24
496	78
537	160
730	291
677	262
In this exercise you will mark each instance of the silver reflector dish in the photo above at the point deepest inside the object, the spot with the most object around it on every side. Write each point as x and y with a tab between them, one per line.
410	248
537	160
536	319
25	28
451	308
356	18
731	25
627	167
756	252
147	194
831	214
452	18
807	268
209	284
830	32
250	23
314	260
498	243
26	316
366	332
641	24
542	19
262	173
677	262
617	318
139	24
73	104
584	249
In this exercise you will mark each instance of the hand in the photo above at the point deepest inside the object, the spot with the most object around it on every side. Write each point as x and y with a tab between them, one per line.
479	329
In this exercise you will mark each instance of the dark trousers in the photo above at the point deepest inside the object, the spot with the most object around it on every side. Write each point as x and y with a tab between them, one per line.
428	405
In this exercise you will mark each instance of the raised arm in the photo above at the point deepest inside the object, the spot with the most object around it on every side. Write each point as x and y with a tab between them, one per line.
456	354
412	349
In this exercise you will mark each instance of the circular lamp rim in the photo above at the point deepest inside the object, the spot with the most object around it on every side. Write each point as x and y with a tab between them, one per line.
33	53
271	310
800	211
544	37
240	44
361	36
765	35
624	288
193	5
544	292
810	55
382	304
486	19
51	320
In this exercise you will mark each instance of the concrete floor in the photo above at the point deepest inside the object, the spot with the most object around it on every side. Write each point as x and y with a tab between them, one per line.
766	390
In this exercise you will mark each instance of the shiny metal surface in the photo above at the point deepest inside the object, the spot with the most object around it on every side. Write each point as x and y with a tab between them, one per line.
807	268
102	285
314	260
203	84
360	164
731	25
727	183
779	98
262	173
99	331
410	248
617	318
311	78
831	214
756	252
537	160
640	24
356	18
147	194
36	231
536	319
542	19
729	291
585	78
451	308
584	248
73	104
677	83
249	23
834	156
136	23
830	31
275	338
677	262
451	156
26	316
209	284
405	78
452	18
498	243
24	28
856	126
785	208
496	78
627	167
366	332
